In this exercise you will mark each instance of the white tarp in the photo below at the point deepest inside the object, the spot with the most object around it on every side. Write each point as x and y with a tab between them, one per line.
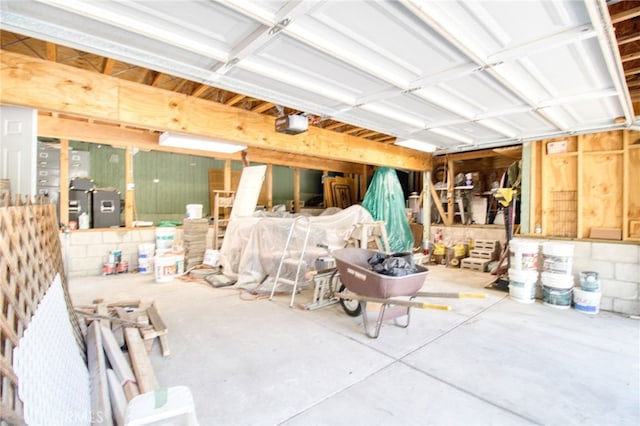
253	246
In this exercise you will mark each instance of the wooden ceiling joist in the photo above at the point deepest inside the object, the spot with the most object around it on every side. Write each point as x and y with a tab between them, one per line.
52	52
333	126
234	100
199	90
625	15
39	84
628	39
107	68
262	107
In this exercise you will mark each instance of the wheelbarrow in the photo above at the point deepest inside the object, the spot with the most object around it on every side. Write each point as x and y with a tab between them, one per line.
360	284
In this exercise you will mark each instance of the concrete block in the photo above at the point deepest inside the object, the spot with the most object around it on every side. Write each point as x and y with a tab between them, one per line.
627	272
581	250
116	237
78	251
606	303
86	265
88	237
102	251
614	252
603	268
619	289
129	251
627	307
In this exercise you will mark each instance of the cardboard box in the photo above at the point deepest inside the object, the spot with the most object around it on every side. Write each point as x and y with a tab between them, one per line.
606	233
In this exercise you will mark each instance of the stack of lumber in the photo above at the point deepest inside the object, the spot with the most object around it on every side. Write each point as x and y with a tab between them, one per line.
195	241
118	375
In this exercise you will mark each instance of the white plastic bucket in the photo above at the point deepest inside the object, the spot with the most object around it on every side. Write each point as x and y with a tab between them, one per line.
165	268
589	281
557	257
557	297
560	281
165	236
143	264
523	255
522	285
211	257
586	301
194	211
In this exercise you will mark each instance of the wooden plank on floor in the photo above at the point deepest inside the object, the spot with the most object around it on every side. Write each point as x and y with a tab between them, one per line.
160	327
118	399
140	361
118	361
99	389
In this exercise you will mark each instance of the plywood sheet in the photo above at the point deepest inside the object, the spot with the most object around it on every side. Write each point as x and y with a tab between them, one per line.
601	192
605	141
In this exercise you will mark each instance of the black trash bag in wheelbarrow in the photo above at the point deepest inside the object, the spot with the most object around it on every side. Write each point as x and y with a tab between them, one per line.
395	264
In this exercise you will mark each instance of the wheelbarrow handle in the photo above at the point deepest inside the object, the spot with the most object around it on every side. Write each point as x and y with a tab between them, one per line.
391	301
452	295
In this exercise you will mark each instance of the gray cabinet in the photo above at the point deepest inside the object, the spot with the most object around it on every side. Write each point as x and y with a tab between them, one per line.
48	169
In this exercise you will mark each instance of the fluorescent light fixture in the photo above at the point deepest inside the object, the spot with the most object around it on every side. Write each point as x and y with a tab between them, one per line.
179	140
417	145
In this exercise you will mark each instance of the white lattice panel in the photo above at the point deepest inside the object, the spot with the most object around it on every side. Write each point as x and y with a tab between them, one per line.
54	381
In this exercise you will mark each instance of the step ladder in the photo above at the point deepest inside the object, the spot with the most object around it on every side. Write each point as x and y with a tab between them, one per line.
287	259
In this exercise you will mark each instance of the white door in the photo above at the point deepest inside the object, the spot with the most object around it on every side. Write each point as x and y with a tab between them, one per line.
18	149
248	191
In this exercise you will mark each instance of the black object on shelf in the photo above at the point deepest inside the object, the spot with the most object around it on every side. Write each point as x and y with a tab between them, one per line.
106	208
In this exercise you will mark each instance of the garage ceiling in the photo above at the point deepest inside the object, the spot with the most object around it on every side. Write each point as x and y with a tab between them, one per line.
457	75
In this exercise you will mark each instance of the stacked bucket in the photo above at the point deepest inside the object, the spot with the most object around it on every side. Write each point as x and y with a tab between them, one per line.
523	270
587	298
557	277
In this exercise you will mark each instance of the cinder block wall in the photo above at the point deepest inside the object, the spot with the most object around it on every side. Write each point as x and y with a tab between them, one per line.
89	250
618	265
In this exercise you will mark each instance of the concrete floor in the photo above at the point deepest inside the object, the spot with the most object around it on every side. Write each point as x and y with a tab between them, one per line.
488	361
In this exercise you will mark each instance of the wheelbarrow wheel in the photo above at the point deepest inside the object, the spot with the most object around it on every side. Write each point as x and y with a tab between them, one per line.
350	306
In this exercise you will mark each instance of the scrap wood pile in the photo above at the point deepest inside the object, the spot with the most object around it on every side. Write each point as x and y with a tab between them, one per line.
118	375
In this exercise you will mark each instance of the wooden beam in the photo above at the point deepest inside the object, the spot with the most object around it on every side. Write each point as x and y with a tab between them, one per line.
234	100
334	126
140	360
354	130
130	210
52	52
265	106
367	134
628	39
630	57
51	86
107	68
117	397
269	184
156	78
199	90
66	128
116	358
625	15
99	389
64	179
632	71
